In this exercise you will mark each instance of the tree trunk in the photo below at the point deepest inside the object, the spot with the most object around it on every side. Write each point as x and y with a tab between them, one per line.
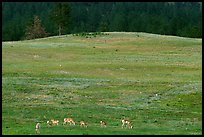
59	30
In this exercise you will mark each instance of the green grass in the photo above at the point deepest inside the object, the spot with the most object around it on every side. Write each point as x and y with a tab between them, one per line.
153	80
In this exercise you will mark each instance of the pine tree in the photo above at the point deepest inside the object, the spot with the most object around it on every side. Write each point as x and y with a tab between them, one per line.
60	14
35	30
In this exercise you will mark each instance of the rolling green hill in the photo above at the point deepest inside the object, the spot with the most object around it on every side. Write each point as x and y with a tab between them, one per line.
153	80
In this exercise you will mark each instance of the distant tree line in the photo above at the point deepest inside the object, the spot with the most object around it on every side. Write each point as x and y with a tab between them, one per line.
168	18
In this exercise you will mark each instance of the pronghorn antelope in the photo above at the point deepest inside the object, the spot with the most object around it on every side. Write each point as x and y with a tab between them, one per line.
126	122
82	123
103	124
52	122
69	120
37	128
49	123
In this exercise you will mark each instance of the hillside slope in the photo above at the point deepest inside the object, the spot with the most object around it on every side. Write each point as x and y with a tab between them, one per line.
153	80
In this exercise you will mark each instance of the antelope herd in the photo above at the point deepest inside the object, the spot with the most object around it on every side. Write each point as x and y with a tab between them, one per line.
125	123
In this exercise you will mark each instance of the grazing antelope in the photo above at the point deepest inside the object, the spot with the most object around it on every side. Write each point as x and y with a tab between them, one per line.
82	123
126	122
54	122
69	120
37	128
103	124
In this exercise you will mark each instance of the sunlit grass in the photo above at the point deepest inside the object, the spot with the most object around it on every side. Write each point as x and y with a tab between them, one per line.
153	80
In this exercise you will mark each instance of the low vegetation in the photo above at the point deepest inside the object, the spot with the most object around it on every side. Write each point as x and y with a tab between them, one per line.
153	80
90	34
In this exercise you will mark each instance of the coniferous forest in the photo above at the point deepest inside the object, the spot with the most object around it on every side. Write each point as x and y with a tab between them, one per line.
166	18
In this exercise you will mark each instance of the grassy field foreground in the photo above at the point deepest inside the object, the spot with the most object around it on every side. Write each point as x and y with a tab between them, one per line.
153	80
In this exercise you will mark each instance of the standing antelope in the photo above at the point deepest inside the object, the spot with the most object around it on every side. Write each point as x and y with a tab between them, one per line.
103	124
82	123
126	122
49	123
37	128
69	120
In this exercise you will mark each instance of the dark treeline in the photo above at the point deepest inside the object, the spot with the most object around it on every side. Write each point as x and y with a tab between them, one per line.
169	18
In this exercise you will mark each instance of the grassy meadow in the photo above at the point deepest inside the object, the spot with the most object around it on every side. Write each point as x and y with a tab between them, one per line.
153	80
